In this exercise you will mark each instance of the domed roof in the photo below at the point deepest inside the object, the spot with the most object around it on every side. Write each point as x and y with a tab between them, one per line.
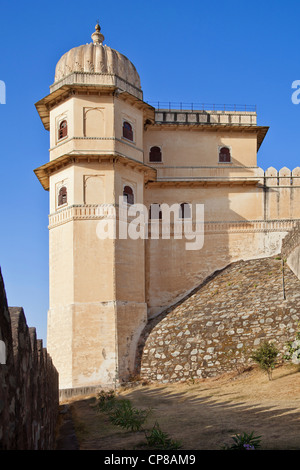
95	58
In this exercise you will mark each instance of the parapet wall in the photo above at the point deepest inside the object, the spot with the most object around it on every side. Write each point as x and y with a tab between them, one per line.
28	384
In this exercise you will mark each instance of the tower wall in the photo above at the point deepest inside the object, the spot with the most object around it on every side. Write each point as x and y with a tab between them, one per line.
97	282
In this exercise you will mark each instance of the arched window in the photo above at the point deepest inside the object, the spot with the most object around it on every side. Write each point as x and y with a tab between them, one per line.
224	155
155	212
127	130
128	195
155	155
62	196
185	211
63	130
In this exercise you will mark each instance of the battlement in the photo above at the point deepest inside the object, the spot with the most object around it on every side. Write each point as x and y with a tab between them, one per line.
283	177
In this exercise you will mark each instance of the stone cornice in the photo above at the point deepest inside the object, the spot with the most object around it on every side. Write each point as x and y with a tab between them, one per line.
44	172
203	181
115	139
67	91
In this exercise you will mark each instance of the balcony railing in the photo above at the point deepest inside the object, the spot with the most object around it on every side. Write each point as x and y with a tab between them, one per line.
185	106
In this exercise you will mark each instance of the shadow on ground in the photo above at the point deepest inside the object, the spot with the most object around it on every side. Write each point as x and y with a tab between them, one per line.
203	415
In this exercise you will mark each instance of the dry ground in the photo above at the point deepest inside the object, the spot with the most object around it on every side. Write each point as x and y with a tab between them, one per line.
204	415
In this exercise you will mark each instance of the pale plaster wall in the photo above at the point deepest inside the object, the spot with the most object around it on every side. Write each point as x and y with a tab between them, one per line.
94	344
199	147
293	261
223	203
93	264
61	265
173	271
125	112
60	341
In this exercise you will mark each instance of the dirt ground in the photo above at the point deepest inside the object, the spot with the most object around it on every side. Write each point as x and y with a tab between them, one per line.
203	415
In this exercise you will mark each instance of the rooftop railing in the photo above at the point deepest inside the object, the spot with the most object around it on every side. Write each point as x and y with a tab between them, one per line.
171	105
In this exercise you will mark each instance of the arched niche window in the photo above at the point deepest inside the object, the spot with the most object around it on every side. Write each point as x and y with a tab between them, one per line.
155	155
185	211
128	195
127	130
62	196
155	212
63	129
224	155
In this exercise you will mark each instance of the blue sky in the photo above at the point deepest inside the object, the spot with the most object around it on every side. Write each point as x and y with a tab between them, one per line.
233	52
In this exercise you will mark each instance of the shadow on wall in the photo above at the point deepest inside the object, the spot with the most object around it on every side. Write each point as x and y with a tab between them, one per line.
242	220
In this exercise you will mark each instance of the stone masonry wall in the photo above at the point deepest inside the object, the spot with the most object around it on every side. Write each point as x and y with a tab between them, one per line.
216	328
28	384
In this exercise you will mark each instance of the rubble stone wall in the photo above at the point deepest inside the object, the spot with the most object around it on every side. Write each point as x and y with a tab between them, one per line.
29	396
216	329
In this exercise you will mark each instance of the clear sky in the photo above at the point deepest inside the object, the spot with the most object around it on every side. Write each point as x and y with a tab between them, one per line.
231	52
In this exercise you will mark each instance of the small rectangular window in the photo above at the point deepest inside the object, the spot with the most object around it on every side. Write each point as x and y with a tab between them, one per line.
63	130
224	155
127	130
155	155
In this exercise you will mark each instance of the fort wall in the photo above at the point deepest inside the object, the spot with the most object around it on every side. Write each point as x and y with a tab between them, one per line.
28	384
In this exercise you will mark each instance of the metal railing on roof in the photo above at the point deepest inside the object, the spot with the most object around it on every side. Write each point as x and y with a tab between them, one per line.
181	106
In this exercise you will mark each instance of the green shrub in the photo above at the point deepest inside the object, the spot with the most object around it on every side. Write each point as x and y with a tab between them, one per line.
126	416
293	350
265	356
244	442
158	439
106	400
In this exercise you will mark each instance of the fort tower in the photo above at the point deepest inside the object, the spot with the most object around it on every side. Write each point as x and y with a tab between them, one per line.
107	143
96	116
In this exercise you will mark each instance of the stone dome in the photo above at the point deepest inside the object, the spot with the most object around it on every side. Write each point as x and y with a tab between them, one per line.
97	59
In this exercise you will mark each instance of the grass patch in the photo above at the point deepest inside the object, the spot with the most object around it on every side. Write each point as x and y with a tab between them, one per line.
123	414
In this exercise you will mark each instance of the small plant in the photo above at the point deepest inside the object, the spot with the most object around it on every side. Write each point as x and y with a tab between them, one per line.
265	357
126	416
158	439
122	413
106	400
244	442
191	380
293	350
134	378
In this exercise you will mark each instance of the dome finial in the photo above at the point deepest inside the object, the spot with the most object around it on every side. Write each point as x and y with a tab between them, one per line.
97	37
